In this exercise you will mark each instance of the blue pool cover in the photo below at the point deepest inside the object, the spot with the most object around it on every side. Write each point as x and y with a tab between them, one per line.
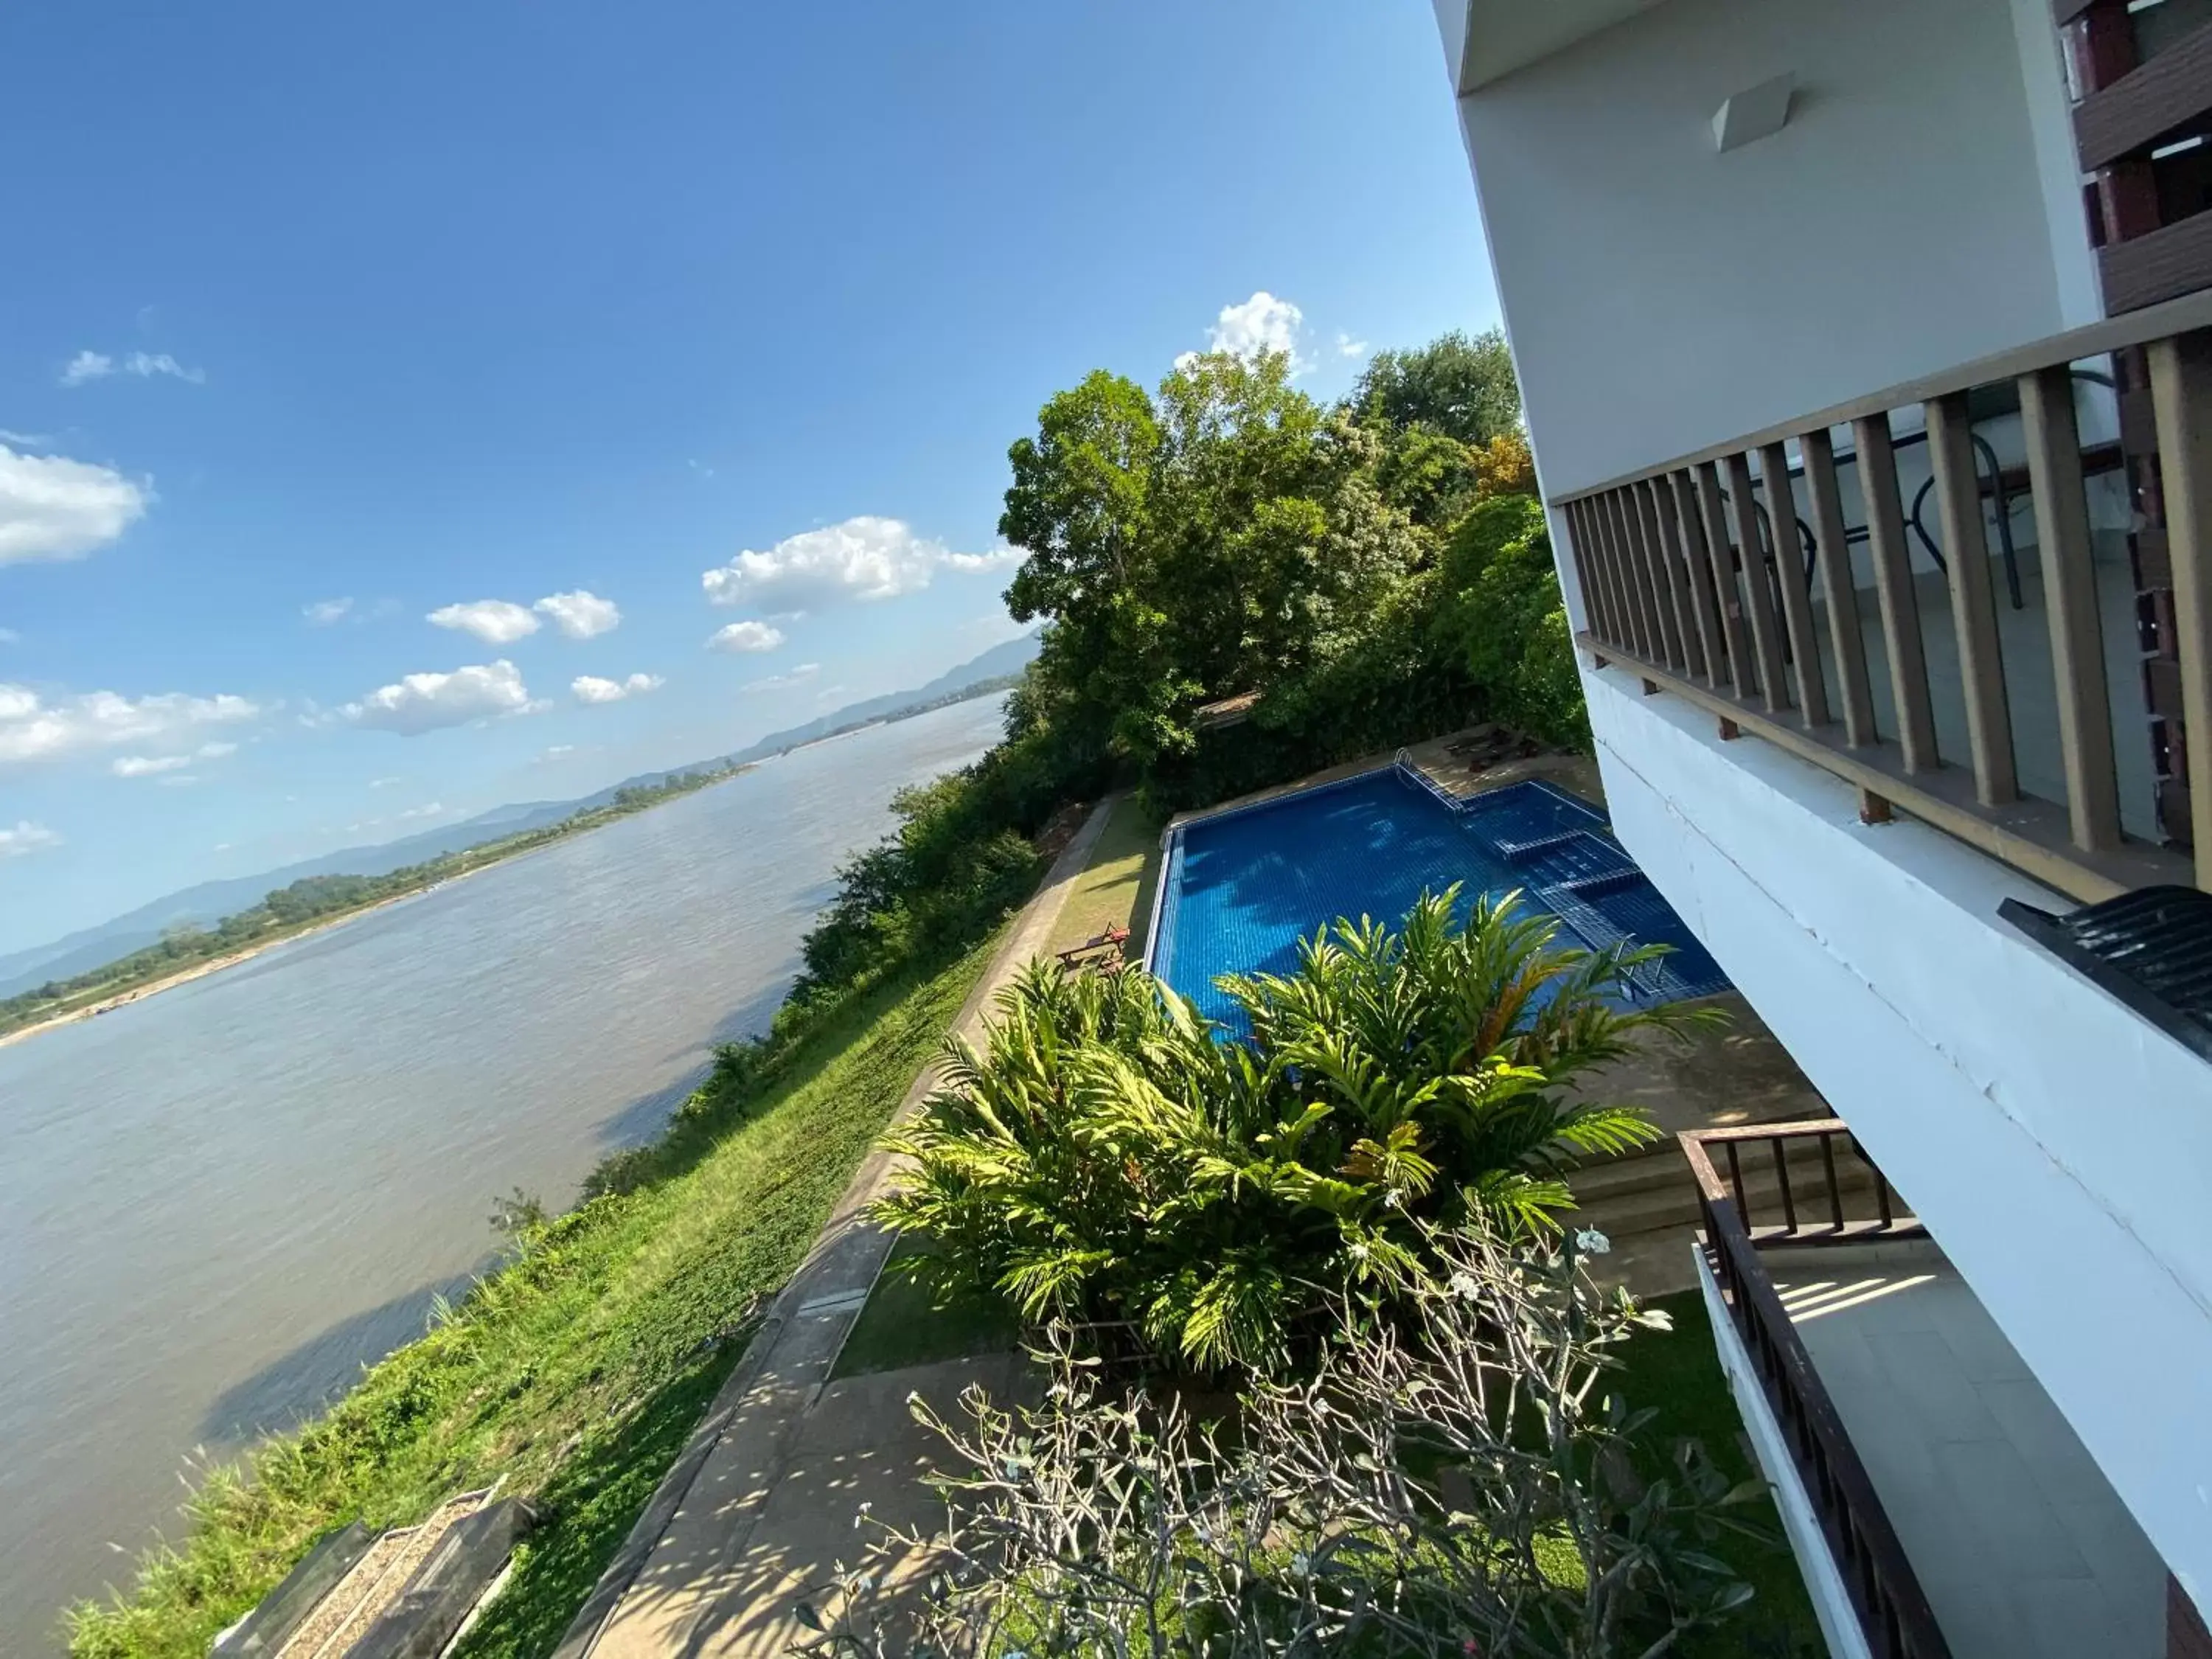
1243	887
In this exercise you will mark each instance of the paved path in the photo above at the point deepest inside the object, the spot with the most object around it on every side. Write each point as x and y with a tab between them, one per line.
760	1504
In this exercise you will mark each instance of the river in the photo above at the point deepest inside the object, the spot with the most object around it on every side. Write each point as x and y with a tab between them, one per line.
215	1205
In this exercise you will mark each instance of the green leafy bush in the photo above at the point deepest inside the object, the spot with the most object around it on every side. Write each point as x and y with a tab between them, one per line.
1504	621
1109	1158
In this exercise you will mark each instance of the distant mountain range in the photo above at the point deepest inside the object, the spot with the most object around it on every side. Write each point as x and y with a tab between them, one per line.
211	901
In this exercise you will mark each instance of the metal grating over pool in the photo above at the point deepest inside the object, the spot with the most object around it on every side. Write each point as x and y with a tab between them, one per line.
1242	887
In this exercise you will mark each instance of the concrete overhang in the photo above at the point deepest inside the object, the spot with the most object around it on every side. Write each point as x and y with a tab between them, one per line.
1486	38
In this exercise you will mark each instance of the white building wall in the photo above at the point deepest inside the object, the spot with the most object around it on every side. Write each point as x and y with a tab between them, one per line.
1661	296
2058	1145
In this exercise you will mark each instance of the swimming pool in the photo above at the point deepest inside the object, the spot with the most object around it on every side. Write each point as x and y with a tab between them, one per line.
1242	887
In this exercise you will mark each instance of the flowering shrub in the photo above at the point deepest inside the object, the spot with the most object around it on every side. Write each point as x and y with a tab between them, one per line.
1461	1485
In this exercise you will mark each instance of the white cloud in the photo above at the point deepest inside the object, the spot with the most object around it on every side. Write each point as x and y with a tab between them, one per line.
863	558
323	612
1348	346
430	811
146	365
1262	324
52	508
495	621
89	366
590	688
145	766
580	615
10	636
556	750
25	439
32	729
25	838
799	676
746	636
425	702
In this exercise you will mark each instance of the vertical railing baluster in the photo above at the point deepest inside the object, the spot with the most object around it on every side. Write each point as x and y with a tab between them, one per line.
1900	607
1588	573
2181	390
1781	1175
1642	623
1697	559
1758	589
1636	508
1789	573
1616	590
2069	592
1735	1182
1741	670
1835	1186
1585	584
1651	511
1824	496
1974	601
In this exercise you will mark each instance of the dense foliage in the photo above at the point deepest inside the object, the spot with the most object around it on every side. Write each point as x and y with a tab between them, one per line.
1106	1158
1378	571
1472	1485
1353	567
319	898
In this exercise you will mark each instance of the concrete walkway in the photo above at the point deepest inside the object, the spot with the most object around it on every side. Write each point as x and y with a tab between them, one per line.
758	1511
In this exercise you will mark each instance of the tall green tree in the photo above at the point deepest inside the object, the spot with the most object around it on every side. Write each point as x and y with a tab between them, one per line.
1458	386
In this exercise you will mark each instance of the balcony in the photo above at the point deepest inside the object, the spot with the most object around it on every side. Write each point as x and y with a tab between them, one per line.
1983	599
1938	1502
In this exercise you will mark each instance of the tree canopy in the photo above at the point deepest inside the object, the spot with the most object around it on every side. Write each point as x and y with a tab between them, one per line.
1227	534
1460	387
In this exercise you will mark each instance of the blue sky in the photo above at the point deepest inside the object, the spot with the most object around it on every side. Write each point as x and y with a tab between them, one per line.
326	326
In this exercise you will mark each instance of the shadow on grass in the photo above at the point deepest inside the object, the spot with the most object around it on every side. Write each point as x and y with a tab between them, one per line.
908	1322
588	1508
1677	1374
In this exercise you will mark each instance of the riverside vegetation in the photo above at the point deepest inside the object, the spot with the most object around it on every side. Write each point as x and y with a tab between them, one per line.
1377	571
316	901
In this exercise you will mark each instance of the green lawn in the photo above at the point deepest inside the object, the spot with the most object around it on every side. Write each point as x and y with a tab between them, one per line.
1677	1374
577	1372
905	1323
1115	888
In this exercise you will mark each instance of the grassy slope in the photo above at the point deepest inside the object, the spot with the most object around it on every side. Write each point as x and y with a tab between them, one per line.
1115	888
577	1372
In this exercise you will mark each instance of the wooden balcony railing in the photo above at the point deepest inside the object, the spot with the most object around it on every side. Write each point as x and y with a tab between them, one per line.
1815	1198
1685	582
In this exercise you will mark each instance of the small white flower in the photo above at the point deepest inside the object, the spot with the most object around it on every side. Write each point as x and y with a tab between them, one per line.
1658	1319
1592	1241
1464	1287
860	1515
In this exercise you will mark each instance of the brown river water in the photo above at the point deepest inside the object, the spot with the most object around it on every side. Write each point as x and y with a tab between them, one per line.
215	1205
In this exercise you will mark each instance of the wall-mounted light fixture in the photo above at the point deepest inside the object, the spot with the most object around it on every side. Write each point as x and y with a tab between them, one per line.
1755	112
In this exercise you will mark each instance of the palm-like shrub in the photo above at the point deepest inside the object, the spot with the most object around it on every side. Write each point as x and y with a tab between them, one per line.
1109	1159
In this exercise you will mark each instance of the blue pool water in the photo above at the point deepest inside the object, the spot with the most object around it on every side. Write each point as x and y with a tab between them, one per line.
1243	888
